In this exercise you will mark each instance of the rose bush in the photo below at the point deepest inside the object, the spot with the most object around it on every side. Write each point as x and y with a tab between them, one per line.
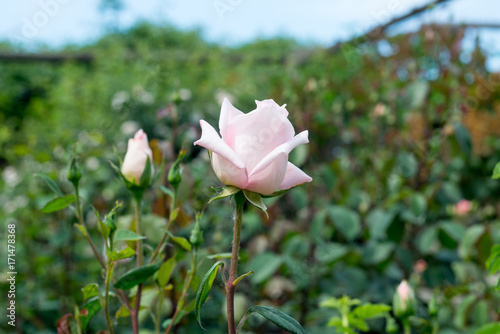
135	160
253	151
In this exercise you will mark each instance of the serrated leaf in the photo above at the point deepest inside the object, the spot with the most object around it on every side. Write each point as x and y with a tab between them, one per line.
127	235
135	277
123	254
255	199
280	319
89	291
204	289
165	271
58	203
183	242
52	185
226	192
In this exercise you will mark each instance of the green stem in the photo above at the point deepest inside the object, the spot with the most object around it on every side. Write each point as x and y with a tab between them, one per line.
158	311
109	274
406	326
435	325
139	254
187	284
79	216
239	200
173	206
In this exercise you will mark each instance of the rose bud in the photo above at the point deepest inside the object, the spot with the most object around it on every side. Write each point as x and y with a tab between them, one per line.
138	152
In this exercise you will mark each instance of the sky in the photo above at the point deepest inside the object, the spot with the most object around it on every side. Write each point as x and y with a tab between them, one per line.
232	22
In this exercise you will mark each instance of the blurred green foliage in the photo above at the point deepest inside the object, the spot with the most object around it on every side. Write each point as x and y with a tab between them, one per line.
400	131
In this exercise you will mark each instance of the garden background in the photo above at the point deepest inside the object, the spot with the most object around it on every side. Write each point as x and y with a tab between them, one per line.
402	127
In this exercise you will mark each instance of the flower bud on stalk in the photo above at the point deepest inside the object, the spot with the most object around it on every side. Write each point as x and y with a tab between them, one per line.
74	172
175	172
196	237
404	301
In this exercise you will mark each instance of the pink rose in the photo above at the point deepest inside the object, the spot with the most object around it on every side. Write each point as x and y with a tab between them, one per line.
253	151
462	207
136	157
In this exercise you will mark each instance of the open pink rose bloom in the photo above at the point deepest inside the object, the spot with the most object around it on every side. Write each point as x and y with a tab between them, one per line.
253	151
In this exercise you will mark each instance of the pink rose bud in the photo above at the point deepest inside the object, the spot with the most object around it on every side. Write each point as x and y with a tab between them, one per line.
462	207
253	151
136	157
404	300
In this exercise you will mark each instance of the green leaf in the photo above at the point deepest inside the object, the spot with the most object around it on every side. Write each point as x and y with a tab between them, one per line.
264	265
165	271
89	291
204	289
58	203
52	185
329	252
81	229
255	199
167	191
92	307
492	328
104	229
370	311
122	312
346	221
280	319
226	192
471	237
219	256
123	254
183	242
496	171
135	277
127	235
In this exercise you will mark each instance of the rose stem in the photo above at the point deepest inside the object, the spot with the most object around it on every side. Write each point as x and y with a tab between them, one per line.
187	283
139	255
79	216
239	200
173	205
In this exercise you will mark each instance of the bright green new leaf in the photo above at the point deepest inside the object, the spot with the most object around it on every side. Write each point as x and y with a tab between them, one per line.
127	235
58	203
370	311
89	291
123	254
219	256
183	242
496	171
